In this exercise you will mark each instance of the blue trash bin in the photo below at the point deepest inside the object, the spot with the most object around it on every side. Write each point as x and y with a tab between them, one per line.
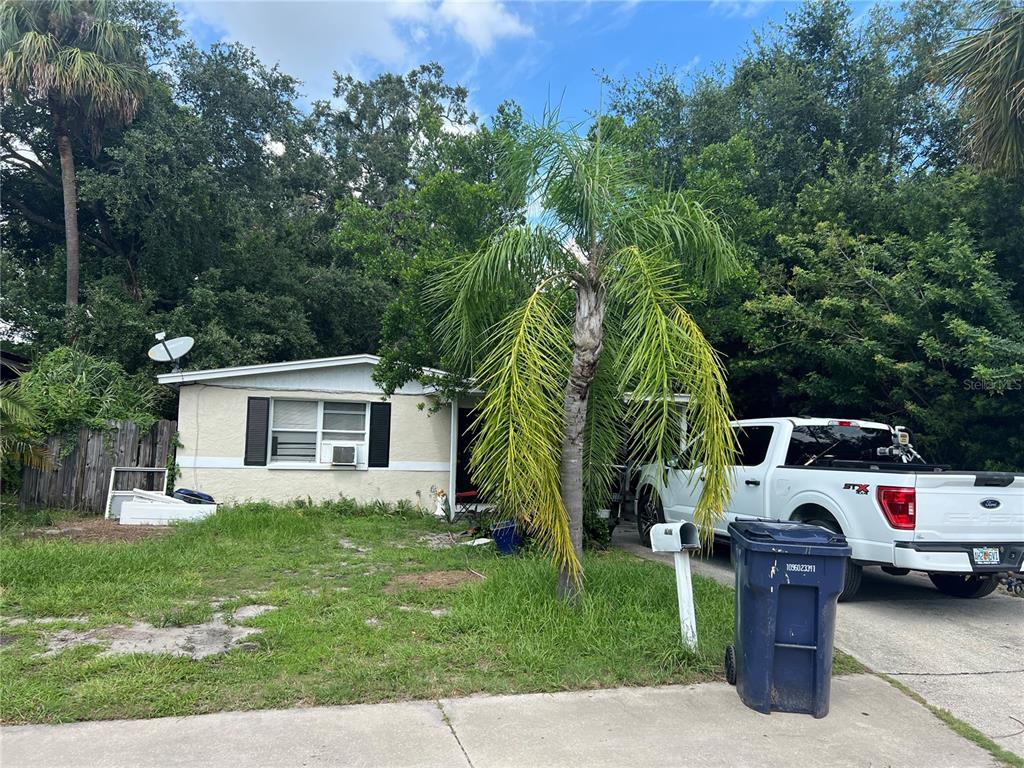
506	536
788	579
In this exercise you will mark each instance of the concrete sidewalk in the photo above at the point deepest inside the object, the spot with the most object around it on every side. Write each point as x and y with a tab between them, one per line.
871	724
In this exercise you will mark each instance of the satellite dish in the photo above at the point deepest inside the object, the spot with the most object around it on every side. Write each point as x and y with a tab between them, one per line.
170	350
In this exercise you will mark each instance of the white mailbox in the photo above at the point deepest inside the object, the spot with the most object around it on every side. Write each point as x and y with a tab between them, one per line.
680	539
675	537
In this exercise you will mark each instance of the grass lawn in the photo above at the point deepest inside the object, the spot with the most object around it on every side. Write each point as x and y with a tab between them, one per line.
342	631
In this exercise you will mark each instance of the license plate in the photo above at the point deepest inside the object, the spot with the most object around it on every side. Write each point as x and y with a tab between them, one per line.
986	556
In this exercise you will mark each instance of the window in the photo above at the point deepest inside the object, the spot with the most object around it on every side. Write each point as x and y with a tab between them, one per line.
298	427
344	421
752	445
824	443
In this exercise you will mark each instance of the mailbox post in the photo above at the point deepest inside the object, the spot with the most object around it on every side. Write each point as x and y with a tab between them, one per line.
680	539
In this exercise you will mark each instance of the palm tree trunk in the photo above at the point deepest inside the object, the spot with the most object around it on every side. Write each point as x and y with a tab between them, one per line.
588	336
67	178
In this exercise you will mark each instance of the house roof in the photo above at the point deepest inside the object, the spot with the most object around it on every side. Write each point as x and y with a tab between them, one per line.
186	377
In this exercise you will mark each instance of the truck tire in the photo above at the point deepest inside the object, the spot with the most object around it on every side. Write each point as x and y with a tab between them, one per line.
649	513
854	573
966	585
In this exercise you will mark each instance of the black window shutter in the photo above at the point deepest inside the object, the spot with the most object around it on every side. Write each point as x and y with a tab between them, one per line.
380	435
257	421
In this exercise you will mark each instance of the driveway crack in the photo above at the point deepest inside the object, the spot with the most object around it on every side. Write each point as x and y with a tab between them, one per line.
448	722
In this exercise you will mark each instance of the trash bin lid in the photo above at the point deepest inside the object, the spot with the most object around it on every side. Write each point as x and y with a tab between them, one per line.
765	533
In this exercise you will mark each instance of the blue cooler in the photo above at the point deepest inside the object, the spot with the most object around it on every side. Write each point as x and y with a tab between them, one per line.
788	578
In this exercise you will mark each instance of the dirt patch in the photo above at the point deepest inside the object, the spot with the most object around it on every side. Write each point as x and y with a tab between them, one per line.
436	612
97	529
437	540
252	611
431	580
351	545
196	641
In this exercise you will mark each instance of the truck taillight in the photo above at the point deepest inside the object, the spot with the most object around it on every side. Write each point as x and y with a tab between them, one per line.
843	423
899	506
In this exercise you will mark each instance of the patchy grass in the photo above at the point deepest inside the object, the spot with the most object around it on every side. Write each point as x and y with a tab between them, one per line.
966	730
340	633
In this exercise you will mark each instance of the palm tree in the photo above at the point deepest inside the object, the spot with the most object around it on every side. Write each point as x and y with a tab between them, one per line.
571	319
986	70
74	59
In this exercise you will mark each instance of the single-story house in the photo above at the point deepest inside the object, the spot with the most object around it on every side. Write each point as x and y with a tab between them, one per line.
319	429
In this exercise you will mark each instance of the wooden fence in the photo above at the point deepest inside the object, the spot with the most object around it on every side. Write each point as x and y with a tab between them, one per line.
80	479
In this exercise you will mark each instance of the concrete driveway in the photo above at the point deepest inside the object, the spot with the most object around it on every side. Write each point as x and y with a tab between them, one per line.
966	656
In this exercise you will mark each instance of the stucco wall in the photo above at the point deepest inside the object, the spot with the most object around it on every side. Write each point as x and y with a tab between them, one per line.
281	485
211	425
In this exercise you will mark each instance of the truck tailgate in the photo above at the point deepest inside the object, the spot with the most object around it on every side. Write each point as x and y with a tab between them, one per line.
970	507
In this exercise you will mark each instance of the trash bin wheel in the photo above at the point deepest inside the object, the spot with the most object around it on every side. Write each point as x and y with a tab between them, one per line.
730	664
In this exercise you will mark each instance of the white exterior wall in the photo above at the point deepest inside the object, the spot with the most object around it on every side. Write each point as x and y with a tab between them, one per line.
211	426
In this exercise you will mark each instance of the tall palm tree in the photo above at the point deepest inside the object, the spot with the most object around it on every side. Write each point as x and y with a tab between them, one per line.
986	70
74	59
572	320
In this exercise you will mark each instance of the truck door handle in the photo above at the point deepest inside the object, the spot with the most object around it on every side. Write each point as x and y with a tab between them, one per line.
752	482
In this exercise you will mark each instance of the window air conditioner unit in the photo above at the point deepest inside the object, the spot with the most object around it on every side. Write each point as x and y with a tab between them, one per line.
341	454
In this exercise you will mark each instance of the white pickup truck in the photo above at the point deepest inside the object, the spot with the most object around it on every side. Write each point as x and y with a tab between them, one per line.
864	480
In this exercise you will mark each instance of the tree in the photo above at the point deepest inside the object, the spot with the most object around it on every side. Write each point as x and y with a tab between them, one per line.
572	319
918	330
385	129
986	70
86	67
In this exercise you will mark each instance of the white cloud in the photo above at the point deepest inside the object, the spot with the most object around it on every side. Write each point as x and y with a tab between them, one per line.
482	23
312	39
744	9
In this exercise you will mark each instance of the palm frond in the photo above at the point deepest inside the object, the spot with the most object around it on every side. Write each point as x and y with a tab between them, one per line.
73	52
516	455
18	418
677	228
486	285
664	354
985	69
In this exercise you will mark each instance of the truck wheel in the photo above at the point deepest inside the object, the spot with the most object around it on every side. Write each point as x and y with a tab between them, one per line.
854	573
730	664
648	514
963	584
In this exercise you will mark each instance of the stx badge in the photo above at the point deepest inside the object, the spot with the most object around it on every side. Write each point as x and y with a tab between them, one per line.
860	488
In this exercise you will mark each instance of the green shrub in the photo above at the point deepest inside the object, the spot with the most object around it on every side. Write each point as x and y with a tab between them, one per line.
344	506
597	534
71	389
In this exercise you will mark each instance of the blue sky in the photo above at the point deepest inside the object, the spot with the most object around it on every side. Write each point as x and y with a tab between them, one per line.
533	52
